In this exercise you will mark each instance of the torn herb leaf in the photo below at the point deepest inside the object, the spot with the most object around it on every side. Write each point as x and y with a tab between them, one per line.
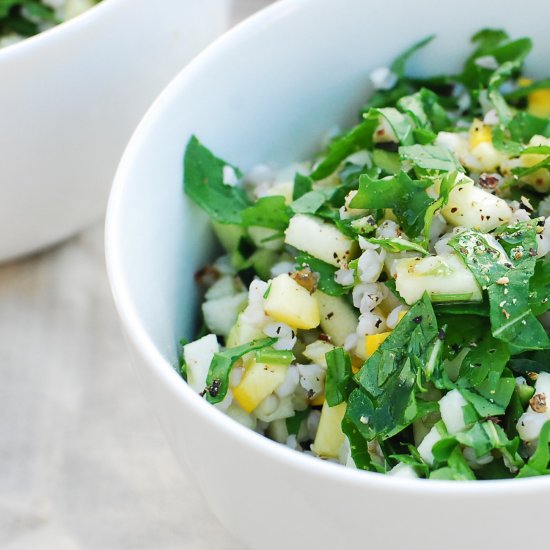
204	184
339	382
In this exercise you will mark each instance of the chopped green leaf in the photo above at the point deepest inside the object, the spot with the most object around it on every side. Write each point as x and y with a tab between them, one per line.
538	463
339	382
271	212
203	182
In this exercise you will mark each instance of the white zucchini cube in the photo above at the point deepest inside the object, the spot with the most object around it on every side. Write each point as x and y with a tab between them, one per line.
320	239
258	382
443	277
316	352
338	318
221	314
472	207
243	332
451	407
330	438
198	355
425	448
290	303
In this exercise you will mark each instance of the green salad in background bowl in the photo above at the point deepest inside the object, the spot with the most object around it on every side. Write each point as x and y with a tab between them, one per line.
20	19
384	304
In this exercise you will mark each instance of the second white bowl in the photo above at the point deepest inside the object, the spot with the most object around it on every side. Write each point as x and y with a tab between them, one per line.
69	100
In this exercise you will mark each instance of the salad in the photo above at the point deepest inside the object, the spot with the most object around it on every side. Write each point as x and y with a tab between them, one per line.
384	305
20	19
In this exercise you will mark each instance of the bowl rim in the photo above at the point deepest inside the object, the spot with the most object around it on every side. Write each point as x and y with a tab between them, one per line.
164	370
71	26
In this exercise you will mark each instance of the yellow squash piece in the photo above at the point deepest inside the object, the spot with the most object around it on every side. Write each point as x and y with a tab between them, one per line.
258	382
318	400
374	341
479	133
538	102
330	438
290	303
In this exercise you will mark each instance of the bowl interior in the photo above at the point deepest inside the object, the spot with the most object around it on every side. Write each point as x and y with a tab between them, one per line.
265	92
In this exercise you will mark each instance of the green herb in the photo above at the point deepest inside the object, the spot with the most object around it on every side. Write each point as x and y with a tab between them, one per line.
358	446
359	137
506	282
385	402
272	356
302	185
339	382
294	423
203	183
405	196
430	158
399	244
308	203
271	212
538	463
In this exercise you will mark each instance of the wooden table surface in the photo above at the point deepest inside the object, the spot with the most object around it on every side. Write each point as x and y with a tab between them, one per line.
83	463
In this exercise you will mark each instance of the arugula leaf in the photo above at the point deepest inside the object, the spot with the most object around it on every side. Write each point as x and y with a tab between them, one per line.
430	157
537	361
406	197
456	469
483	437
504	111
413	459
271	212
481	378
302	185
387	161
339	381
309	203
485	361
398	244
507	283
404	85
400	124
525	125
217	381
359	137
539	288
445	187
326	272
274	356
538	463
487	40
203	183
359	447
294	423
480	309
521	172
424	108
400	62
385	401
492	43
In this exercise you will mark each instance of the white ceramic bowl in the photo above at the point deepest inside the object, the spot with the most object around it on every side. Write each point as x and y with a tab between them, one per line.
266	91
69	101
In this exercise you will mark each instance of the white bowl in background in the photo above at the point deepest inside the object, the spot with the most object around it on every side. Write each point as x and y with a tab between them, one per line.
265	92
70	98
